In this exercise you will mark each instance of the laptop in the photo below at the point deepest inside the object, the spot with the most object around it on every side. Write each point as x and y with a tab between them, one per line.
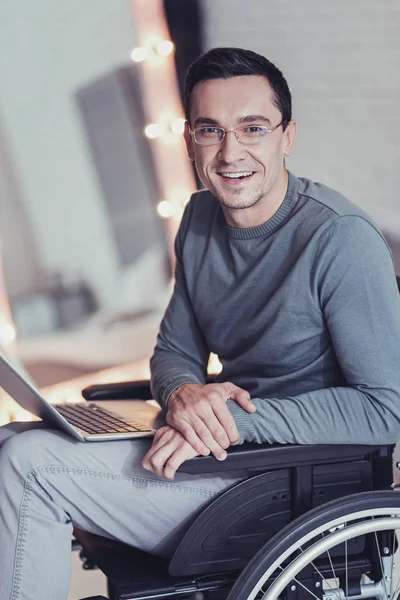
85	421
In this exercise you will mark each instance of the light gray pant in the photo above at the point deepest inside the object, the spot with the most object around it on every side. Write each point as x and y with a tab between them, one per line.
49	483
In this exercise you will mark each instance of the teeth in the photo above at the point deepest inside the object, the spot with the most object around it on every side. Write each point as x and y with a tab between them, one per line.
237	175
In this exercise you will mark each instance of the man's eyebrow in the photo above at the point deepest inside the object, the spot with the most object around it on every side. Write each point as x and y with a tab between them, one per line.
205	121
240	120
254	119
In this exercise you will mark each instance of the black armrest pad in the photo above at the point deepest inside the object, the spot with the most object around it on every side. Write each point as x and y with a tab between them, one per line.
124	390
256	457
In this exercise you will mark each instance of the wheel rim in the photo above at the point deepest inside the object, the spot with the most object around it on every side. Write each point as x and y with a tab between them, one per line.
325	545
336	531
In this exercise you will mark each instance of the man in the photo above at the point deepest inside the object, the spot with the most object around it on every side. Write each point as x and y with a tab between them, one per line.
287	281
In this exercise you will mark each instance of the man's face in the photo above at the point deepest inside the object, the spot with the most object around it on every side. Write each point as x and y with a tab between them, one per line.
231	103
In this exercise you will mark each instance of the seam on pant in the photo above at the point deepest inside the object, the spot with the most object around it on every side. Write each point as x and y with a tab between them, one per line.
24	508
114	476
21	538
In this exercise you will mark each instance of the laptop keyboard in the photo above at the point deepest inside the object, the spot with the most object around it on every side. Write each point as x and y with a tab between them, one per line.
93	419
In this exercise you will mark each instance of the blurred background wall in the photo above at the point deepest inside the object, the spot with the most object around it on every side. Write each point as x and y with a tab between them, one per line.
83	248
341	60
47	50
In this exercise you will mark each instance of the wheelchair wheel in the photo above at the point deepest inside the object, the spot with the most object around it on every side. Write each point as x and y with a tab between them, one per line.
343	550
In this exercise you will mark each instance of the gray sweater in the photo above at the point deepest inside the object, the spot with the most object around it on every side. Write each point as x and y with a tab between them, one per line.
303	312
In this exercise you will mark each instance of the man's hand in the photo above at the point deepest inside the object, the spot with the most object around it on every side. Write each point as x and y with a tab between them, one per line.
168	451
200	413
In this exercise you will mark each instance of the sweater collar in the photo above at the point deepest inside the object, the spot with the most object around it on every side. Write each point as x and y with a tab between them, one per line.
247	233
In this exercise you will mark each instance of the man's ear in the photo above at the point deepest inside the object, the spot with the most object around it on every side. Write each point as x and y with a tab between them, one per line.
189	141
289	137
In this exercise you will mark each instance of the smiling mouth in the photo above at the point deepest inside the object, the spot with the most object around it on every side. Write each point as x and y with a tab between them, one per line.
236	176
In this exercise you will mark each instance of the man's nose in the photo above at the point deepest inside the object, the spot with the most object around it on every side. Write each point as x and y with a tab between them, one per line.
231	149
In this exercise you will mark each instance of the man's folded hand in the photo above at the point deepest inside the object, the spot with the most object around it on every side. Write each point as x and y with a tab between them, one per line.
201	415
168	451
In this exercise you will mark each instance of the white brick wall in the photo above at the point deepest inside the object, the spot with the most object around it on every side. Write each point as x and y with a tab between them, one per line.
341	60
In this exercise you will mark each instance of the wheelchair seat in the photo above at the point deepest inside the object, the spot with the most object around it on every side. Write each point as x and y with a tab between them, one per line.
284	482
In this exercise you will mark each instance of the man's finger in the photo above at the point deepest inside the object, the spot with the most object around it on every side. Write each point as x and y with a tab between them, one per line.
178	457
163	442
200	424
156	462
243	399
203	430
190	434
192	437
218	432
224	416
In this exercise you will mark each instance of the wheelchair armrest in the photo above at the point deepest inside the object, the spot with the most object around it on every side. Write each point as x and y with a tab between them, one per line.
122	390
251	457
255	457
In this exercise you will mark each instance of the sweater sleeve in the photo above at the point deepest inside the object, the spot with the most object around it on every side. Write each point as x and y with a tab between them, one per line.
181	353
354	285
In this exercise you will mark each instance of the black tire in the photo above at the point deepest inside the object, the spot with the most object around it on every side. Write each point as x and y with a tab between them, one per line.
304	525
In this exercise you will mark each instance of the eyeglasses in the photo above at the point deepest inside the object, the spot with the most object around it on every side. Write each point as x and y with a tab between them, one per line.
249	135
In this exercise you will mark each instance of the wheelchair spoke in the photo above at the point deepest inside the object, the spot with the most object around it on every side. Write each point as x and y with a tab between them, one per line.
333	590
305	588
333	573
302	585
392	567
381	563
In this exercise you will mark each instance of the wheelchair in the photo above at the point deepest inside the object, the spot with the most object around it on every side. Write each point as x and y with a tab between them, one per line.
309	522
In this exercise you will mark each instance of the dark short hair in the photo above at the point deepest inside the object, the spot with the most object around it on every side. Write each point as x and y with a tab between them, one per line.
223	63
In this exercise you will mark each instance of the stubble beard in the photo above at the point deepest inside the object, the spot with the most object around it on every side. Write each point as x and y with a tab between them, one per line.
226	201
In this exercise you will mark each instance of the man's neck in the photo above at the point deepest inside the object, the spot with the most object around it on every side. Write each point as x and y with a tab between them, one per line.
263	210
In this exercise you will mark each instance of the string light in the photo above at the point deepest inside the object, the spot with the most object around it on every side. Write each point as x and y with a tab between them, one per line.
178	197
165	209
156	49
165	124
154	130
178	126
175	204
139	54
164	48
